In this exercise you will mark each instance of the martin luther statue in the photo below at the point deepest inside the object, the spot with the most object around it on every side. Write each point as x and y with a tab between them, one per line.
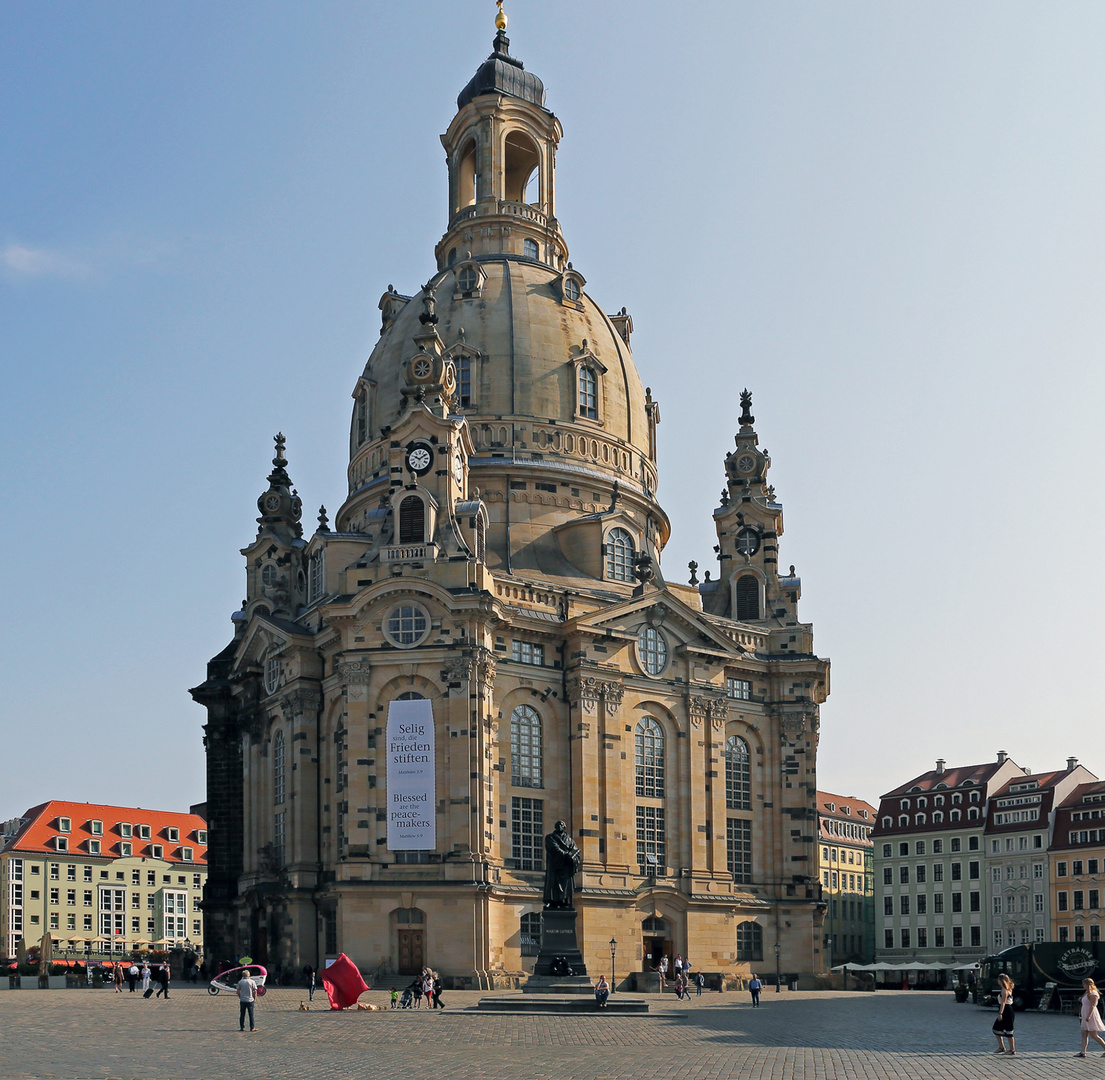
562	861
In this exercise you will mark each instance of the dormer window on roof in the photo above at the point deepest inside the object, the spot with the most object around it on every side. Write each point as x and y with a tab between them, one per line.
571	283
64	825
96	827
124	829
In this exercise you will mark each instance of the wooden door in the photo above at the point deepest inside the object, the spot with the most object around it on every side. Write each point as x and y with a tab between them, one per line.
411	957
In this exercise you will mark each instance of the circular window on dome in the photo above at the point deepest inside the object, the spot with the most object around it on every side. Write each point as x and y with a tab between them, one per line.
468	280
407	626
571	289
652	650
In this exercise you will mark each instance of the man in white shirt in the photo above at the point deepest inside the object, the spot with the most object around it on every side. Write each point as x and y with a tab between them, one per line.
247	996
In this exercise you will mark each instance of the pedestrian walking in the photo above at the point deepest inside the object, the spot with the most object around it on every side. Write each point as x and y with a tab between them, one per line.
132	977
145	977
754	988
1090	1023
437	992
416	989
428	989
163	981
678	966
247	1001
309	977
394	998
1003	1025
663	969
117	977
699	982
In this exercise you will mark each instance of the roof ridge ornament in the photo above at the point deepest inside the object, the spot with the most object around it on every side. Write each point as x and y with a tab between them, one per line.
500	17
747	419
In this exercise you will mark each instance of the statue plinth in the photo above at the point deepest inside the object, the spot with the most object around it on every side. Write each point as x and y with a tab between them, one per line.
560	961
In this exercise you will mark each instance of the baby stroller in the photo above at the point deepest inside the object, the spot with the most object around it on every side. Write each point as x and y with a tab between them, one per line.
407	1000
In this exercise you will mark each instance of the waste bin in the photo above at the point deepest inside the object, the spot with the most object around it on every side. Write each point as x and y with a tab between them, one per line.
793	984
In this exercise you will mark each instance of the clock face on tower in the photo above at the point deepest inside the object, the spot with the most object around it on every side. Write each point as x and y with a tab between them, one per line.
748	542
419	458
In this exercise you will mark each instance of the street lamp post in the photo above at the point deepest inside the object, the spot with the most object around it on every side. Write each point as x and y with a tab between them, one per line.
778	971
613	953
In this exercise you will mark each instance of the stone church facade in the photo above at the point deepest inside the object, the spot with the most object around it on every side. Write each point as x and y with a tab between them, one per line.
498	555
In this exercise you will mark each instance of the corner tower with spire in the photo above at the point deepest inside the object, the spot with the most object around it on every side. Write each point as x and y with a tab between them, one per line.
498	555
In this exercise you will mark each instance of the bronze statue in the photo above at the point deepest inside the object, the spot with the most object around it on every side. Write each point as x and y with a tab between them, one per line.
562	861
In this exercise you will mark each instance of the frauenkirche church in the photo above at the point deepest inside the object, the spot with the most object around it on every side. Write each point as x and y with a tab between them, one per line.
498	556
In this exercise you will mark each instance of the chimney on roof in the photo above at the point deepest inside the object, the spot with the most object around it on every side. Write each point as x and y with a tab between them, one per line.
1002	756
1072	764
940	766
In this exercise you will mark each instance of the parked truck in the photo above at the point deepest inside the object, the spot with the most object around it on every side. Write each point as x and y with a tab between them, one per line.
1032	967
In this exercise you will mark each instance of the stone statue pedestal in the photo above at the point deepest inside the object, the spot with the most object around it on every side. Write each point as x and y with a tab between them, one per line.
560	967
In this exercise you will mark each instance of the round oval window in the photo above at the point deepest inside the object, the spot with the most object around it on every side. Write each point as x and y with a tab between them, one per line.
407	625
652	650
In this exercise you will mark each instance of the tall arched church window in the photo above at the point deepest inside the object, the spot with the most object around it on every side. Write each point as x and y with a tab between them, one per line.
481	539
619	555
525	747
316	579
588	394
648	740
412	520
464	381
748	597
278	774
738	780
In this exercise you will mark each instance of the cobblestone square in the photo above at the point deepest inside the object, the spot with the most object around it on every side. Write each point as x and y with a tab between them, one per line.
807	1036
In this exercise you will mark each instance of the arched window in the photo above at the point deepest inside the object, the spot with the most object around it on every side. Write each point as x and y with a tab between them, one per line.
520	160
278	778
972	813
956	815
529	247
738	779
937	817
588	394
652	650
531	934
412	520
648	742
316	580
525	747
466	176
748	597
410	695
481	539
464	381
750	941
619	555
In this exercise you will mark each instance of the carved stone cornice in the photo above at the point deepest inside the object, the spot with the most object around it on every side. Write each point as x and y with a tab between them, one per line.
355	671
301	702
612	694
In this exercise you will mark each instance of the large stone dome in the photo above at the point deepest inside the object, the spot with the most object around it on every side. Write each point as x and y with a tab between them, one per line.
530	342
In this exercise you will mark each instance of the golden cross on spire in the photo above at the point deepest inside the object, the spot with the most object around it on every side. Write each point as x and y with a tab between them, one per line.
500	17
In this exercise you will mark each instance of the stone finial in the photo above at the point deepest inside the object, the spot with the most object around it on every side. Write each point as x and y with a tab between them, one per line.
693	567
323	522
747	419
429	305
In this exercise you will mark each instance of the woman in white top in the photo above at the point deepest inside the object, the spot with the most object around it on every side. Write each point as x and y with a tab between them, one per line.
145	977
1091	1022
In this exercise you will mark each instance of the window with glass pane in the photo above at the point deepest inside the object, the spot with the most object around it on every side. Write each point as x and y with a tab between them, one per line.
525	652
738	849
738	783
649	753
278	837
750	941
741	689
464	381
525	747
620	552
407	624
527	833
531	934
652	650
278	768
588	394
651	850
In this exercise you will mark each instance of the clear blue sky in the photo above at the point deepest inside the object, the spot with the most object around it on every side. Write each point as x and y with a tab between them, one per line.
886	219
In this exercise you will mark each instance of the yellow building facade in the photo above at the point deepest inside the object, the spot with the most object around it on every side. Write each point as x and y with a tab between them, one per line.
498	555
847	877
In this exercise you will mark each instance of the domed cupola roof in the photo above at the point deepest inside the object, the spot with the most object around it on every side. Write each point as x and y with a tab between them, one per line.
502	73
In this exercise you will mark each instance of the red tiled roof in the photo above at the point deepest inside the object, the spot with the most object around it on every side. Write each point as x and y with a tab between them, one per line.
38	834
842	801
950	778
1074	802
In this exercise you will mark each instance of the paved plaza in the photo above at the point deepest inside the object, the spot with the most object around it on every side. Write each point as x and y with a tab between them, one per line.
807	1036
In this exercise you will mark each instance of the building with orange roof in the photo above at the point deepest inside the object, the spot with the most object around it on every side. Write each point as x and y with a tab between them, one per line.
127	876
846	867
1077	865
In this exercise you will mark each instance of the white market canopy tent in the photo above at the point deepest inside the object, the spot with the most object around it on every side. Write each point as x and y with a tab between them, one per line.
915	966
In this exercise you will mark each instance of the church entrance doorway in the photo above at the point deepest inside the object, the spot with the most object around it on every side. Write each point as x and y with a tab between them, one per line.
655	943
411	953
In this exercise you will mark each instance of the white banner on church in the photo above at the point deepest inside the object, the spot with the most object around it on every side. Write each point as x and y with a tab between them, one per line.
412	817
